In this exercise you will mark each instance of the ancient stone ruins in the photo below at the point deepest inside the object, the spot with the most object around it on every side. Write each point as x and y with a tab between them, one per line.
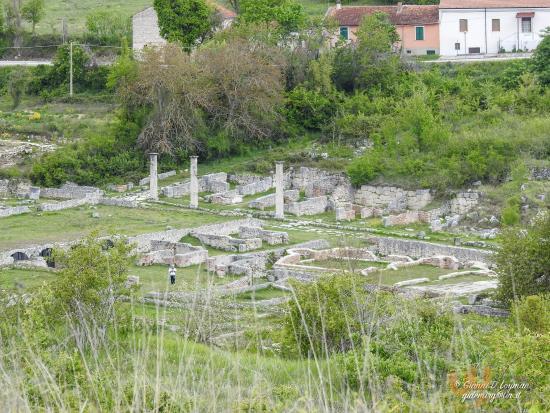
258	241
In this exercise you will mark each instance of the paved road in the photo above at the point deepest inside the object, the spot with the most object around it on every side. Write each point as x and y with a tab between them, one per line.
7	63
481	58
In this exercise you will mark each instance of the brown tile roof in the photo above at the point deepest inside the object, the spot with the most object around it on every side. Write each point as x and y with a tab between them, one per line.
492	4
404	15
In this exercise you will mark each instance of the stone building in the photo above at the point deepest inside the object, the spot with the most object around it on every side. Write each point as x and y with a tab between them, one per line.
146	32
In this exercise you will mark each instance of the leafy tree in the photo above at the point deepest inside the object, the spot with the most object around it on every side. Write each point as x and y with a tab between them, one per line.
376	38
186	22
524	261
16	86
229	92
61	65
541	59
107	27
124	70
33	12
91	280
288	15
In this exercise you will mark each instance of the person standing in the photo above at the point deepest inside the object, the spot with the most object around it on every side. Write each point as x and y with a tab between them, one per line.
172	274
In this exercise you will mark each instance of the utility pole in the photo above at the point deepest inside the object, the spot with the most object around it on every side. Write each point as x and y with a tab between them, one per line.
71	69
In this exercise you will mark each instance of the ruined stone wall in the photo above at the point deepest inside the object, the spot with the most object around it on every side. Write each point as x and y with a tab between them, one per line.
164	175
267	201
71	191
463	202
540	174
256	187
119	202
311	206
316	182
212	183
70	203
392	199
271	237
143	241
418	249
17	210
14	188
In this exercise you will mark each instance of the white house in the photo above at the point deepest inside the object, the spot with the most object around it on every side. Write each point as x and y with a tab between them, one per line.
146	32
491	26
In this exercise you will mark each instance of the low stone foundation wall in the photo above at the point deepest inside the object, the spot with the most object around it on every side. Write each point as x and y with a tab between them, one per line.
225	198
143	242
418	249
17	210
540	174
271	237
177	253
71	203
228	243
268	201
212	183
256	187
311	206
119	202
71	191
164	175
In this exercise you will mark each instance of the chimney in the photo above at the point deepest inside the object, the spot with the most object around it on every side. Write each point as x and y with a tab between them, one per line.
338	4
399	7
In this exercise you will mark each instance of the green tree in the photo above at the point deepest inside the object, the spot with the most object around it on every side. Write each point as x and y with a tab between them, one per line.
376	38
61	65
186	22
16	86
524	261
541	59
288	15
33	12
89	285
107	27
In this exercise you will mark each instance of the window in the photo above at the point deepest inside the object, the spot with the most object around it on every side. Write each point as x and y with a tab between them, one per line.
344	34
430	52
474	50
463	25
526	26
496	25
420	33
457	46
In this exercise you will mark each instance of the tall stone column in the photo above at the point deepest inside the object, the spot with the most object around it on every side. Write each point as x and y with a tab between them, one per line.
194	184
279	191
153	176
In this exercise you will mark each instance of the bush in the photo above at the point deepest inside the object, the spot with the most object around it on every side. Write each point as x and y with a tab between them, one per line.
533	313
326	316
524	261
310	109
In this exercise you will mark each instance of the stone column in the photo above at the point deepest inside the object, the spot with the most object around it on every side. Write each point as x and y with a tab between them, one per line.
194	184
279	191
153	176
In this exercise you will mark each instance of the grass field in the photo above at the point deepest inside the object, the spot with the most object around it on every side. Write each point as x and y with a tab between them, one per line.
36	228
75	12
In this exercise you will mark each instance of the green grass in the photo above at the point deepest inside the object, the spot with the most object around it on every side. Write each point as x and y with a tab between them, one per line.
75	12
390	277
71	224
14	279
264	294
155	278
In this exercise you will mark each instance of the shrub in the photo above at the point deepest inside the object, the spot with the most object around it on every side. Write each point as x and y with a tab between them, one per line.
533	313
310	109
524	261
326	316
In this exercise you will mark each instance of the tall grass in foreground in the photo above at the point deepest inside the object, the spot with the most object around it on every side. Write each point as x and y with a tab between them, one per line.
336	346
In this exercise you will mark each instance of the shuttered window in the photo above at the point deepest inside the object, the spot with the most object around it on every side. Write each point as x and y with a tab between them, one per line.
463	25
344	33
496	25
420	33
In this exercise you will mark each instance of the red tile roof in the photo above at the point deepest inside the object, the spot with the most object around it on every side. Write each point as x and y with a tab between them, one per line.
492	4
398	15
